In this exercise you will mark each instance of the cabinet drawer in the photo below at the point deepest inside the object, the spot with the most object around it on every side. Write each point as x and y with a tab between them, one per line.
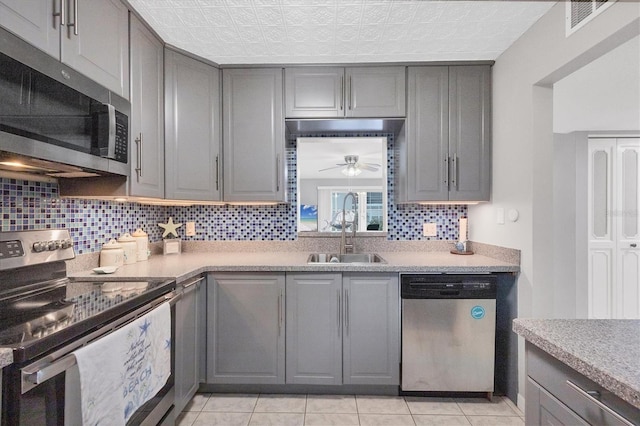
571	387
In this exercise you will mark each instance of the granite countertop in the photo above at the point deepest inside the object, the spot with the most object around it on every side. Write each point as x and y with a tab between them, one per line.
605	351
6	357
184	265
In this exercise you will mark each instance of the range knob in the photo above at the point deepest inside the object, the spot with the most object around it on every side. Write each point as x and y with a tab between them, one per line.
65	244
39	246
53	245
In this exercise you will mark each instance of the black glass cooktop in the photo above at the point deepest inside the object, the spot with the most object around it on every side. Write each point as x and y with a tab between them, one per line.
37	322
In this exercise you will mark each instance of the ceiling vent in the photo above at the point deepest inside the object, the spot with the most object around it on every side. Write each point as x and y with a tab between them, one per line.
579	12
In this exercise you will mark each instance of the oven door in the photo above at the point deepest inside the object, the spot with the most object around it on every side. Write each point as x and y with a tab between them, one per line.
34	392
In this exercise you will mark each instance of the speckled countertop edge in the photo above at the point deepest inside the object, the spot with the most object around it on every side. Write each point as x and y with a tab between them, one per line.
605	351
6	357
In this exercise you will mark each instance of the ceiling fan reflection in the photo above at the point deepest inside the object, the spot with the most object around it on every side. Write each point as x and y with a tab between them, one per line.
351	166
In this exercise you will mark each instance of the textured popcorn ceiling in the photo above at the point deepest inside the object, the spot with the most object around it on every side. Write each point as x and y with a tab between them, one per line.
340	31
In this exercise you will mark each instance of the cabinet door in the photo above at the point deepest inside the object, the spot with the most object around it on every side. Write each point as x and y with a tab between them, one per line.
188	326
544	409
147	112
34	22
253	139
192	136
245	328
427	135
314	329
100	50
371	352
375	91
470	133
314	92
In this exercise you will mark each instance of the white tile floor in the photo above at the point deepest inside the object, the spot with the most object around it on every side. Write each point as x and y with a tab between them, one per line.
346	410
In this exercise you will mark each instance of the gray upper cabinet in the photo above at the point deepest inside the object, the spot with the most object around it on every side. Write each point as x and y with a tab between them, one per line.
93	38
330	92
314	329
147	113
245	328
445	152
253	140
192	129
34	22
343	329
371	352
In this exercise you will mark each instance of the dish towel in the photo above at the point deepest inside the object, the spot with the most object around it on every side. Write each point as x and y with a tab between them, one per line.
121	371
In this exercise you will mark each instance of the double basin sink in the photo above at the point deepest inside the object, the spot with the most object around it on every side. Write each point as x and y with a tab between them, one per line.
351	258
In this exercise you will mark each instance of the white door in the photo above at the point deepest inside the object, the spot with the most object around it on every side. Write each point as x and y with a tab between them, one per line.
627	181
614	246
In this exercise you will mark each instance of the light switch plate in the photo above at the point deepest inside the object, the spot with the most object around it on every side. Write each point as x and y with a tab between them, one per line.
430	229
500	216
190	230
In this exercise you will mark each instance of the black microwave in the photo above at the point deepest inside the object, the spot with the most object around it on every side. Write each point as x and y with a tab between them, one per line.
51	112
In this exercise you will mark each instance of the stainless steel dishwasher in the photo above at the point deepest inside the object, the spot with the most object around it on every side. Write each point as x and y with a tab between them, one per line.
448	332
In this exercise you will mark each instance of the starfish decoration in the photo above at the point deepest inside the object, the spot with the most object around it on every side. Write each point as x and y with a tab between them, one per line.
170	228
144	327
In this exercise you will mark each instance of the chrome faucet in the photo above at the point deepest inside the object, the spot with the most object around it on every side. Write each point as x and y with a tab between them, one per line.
344	246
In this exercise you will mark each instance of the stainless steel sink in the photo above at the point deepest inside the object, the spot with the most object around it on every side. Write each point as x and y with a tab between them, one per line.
345	258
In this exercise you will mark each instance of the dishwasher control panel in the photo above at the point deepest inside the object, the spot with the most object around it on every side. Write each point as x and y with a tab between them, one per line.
447	286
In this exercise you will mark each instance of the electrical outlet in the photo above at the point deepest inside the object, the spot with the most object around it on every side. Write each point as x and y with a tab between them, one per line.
190	229
430	229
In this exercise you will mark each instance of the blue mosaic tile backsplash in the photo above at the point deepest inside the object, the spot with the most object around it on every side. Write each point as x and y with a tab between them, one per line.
35	205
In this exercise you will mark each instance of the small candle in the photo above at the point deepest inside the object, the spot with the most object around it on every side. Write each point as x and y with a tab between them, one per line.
462	234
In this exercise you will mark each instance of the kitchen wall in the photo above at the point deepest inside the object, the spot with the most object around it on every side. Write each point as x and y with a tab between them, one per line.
33	205
523	142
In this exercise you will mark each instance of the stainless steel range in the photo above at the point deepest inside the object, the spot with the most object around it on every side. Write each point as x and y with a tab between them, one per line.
44	317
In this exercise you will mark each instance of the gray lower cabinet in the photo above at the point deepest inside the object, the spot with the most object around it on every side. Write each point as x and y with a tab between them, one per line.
371	341
192	129
189	328
147	112
343	329
314	328
556	394
253	138
245	328
337	92
445	152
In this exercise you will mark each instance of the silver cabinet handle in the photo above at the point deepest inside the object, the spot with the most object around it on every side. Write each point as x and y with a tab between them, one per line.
278	173
346	312
446	172
454	173
589	396
217	173
339	311
193	282
61	14
280	312
341	92
139	159
350	92
74	24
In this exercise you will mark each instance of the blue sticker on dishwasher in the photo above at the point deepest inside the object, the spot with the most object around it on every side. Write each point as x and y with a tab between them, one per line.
477	312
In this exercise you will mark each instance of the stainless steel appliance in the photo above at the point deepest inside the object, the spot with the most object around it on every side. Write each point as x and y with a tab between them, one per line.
44	317
448	332
55	120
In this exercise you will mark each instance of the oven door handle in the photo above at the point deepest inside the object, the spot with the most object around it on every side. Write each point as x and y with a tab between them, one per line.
63	359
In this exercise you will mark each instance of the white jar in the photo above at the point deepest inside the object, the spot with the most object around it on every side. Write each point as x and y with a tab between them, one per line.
111	254
142	241
130	247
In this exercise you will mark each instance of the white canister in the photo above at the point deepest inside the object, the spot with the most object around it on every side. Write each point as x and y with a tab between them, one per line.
130	247
111	254
142	240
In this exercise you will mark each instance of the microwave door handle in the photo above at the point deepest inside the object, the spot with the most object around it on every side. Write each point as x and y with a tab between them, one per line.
111	149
